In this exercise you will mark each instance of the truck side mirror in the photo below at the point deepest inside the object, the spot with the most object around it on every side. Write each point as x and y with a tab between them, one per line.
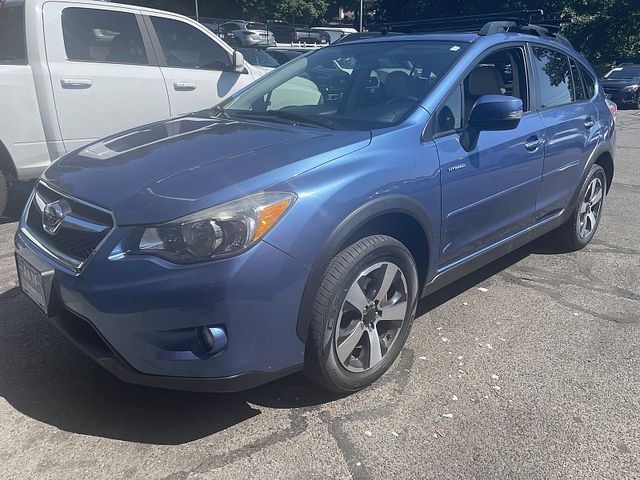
238	62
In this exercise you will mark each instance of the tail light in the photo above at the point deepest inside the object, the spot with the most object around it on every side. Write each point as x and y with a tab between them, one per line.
613	108
248	32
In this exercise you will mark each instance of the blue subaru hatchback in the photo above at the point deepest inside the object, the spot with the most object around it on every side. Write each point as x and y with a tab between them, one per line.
296	225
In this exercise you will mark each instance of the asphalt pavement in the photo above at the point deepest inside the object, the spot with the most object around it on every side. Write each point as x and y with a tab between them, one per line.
527	369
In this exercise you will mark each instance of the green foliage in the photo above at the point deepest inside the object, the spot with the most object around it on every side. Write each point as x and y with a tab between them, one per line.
602	30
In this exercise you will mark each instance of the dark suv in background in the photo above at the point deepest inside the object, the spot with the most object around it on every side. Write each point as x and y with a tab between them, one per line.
622	84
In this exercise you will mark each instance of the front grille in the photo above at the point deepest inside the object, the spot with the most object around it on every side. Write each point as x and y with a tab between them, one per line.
78	235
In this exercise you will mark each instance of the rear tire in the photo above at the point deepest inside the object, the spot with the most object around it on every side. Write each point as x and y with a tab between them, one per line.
581	226
4	193
362	314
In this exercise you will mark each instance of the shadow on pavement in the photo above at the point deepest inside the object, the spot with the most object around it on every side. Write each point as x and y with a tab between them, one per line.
44	377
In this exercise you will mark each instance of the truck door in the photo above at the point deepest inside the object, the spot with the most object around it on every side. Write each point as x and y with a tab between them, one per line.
104	74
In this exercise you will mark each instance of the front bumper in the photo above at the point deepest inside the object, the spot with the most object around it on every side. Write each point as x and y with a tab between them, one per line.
622	97
138	316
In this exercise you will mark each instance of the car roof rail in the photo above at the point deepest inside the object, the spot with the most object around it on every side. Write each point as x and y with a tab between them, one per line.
523	21
468	23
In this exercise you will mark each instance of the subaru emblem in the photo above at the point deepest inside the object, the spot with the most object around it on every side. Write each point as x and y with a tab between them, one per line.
53	215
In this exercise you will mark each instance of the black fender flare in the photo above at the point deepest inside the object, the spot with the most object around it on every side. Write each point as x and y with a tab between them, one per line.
377	207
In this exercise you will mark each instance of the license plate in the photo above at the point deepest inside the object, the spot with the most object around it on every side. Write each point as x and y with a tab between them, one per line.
35	277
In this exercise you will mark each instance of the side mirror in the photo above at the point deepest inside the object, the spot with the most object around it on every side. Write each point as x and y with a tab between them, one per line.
238	62
491	113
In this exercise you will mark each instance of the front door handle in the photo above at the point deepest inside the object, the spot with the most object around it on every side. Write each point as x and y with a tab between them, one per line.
76	83
184	86
533	143
589	122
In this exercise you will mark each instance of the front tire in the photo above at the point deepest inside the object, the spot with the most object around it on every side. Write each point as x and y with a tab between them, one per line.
362	314
579	229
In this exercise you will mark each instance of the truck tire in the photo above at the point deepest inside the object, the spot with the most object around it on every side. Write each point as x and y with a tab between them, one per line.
4	193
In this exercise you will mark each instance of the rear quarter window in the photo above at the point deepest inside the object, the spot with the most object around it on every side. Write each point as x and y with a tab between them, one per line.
13	49
554	77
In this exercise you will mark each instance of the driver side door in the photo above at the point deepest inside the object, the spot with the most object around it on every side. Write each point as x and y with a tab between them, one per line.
488	193
195	66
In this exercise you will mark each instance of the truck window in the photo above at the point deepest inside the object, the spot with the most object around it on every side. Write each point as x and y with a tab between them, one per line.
187	47
92	35
12	43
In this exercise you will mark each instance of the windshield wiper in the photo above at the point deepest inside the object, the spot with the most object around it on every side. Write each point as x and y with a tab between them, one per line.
217	111
294	118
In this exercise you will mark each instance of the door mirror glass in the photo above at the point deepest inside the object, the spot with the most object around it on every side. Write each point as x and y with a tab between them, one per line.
238	62
491	113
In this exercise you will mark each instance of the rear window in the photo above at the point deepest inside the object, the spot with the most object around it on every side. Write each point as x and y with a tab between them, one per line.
256	26
12	42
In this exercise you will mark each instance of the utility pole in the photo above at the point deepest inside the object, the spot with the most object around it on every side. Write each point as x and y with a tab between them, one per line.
361	14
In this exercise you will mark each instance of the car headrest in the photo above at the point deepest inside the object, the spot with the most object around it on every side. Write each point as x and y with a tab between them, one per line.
125	49
397	84
485	80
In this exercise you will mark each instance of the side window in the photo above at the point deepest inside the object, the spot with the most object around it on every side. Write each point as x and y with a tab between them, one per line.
12	40
449	115
500	73
92	35
187	47
554	77
578	86
589	83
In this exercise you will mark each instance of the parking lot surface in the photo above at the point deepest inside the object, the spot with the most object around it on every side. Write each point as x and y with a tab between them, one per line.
526	369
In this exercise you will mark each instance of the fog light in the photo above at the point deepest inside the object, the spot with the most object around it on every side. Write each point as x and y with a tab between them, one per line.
212	339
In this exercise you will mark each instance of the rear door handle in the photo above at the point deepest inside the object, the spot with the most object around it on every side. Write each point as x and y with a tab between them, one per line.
533	143
76	83
589	122
184	86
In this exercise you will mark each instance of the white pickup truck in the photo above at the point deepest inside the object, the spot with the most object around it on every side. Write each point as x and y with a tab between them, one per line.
73	71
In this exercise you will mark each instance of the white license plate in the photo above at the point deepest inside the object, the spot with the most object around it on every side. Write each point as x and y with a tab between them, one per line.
35	281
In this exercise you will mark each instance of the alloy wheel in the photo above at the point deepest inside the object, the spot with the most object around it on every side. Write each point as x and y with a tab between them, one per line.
590	208
371	316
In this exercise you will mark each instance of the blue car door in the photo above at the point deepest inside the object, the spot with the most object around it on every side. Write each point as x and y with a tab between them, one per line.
571	124
489	193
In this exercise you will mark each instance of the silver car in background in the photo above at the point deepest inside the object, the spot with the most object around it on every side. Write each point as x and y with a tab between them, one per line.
247	34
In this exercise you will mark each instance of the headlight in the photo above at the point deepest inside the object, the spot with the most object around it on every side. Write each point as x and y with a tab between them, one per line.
216	232
631	88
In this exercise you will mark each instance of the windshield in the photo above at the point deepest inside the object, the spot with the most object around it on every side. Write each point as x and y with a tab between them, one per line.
624	72
352	86
12	42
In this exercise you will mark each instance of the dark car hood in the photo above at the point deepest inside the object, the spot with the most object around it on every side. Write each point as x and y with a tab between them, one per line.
169	169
